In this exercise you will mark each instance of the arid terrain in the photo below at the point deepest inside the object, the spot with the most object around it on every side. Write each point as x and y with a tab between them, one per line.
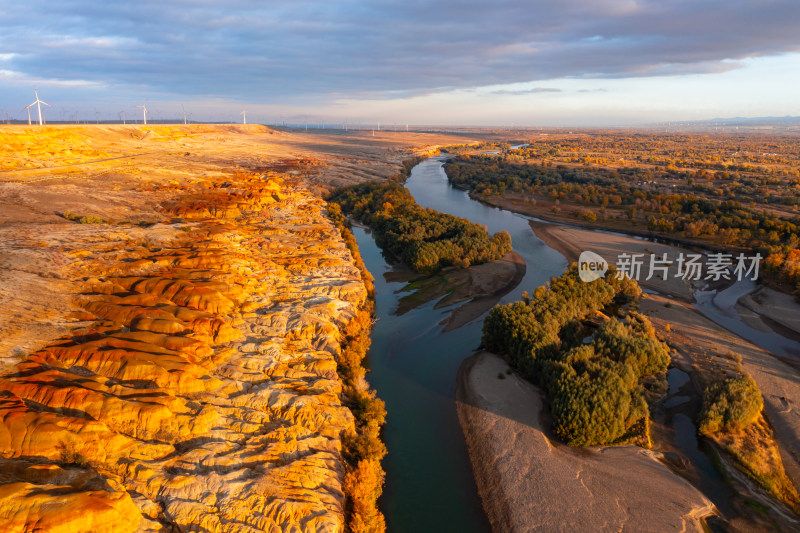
173	301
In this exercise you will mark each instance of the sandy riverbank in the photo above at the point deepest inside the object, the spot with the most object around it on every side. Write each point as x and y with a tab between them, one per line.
491	282
477	288
529	482
702	341
776	306
571	241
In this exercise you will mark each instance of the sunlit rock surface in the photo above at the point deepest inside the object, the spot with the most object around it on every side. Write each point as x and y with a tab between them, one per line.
198	387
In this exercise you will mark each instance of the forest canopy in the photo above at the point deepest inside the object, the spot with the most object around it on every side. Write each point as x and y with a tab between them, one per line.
425	239
727	192
592	374
730	405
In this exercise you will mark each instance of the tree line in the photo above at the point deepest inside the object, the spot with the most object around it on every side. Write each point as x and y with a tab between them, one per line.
362	449
726	222
425	239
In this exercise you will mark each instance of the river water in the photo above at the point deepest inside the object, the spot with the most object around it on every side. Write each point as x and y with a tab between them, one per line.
720	307
429	483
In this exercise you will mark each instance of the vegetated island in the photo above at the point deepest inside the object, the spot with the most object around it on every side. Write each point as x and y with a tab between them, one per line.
599	362
424	239
596	368
453	260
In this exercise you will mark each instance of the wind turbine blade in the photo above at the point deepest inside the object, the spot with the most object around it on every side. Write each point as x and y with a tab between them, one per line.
45	103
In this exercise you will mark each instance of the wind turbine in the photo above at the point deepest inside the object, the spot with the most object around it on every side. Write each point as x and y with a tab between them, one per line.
38	103
244	116
144	112
184	114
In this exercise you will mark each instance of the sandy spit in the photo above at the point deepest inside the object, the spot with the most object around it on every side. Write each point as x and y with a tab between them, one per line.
512	265
529	482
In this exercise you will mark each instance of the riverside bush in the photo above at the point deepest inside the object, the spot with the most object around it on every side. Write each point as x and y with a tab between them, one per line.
363	449
730	405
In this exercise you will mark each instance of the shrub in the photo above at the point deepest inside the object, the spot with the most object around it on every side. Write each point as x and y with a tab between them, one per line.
362	449
68	455
730	405
89	219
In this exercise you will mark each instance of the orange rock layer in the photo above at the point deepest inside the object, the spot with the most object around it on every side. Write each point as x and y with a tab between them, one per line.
199	392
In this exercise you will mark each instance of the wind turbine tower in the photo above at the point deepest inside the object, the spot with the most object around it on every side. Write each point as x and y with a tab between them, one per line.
38	103
144	112
244	116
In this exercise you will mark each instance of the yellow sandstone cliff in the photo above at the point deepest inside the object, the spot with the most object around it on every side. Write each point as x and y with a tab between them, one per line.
198	388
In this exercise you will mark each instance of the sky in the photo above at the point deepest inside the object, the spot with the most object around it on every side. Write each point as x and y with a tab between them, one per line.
502	63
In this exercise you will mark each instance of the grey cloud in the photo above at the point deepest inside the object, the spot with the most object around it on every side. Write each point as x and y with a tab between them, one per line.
290	50
521	92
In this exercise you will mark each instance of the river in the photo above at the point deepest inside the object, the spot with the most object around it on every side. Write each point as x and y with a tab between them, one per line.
720	307
413	363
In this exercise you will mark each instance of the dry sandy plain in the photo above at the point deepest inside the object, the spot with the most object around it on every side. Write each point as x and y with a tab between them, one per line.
125	174
171	305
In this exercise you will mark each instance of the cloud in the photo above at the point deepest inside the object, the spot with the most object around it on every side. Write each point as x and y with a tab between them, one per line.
288	51
18	78
521	92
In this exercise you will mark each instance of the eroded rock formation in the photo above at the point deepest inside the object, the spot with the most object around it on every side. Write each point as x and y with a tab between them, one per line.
199	389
